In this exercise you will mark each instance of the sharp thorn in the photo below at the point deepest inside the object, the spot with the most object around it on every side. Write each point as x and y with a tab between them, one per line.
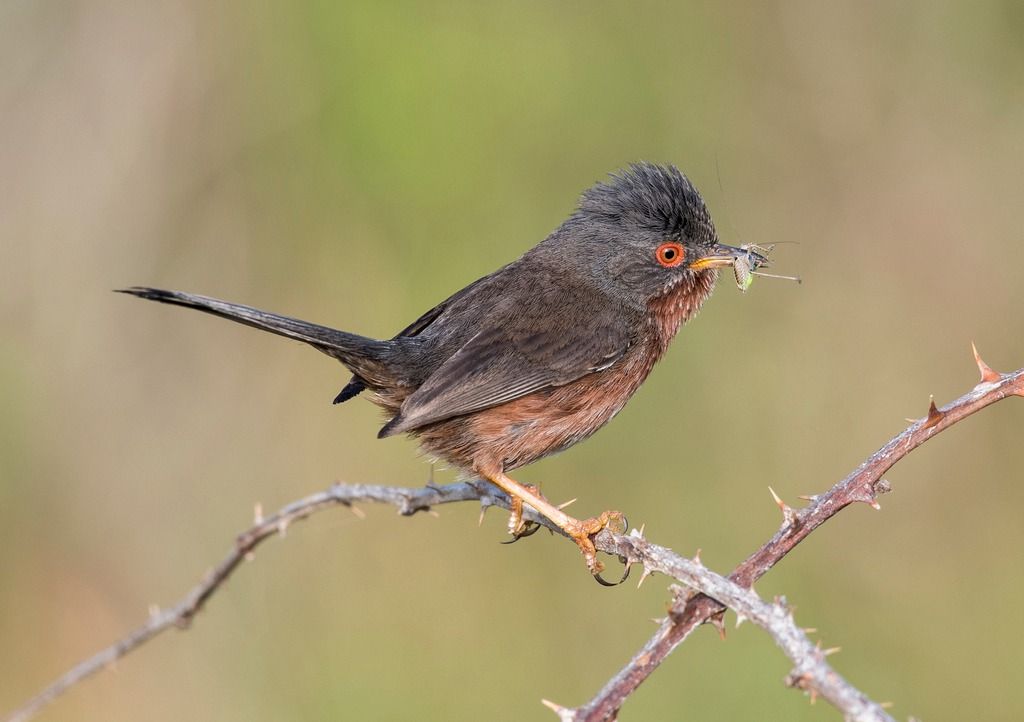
934	415
564	713
830	651
357	512
988	376
810	630
643	577
257	513
787	511
567	503
718	622
696	558
778	500
740	619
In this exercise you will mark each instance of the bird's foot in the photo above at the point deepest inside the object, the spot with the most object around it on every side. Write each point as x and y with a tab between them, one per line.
517	526
582	532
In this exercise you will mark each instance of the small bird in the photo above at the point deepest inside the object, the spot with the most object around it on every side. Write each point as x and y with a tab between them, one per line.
543	352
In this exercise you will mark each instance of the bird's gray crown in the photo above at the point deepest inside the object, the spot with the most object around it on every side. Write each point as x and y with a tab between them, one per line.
654	197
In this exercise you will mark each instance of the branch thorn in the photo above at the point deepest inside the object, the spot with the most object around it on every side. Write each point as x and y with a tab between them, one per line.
357	512
564	713
988	376
567	503
257	514
643	576
934	415
787	512
718	622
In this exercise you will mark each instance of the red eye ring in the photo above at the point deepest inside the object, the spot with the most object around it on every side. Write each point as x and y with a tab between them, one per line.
670	254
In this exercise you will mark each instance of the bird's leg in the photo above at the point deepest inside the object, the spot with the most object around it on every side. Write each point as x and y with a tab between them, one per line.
517	526
580	531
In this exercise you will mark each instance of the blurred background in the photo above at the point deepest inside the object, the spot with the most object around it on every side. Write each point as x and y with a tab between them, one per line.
353	164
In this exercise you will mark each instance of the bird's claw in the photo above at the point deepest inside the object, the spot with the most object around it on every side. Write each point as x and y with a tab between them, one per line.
517	526
582	532
526	528
625	575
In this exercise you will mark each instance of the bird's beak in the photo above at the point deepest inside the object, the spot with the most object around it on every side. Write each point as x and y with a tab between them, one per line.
720	255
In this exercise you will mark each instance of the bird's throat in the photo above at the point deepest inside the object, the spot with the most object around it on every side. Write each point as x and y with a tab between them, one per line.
679	304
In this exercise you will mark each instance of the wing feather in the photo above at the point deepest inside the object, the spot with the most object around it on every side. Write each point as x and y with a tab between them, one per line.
548	338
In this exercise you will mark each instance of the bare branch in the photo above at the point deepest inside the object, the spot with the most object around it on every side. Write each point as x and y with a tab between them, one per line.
407	501
865	484
810	673
633	547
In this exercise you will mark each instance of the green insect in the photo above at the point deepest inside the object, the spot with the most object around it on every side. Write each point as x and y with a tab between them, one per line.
745	267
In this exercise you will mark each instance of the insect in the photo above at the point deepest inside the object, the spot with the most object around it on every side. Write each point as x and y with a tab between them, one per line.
745	267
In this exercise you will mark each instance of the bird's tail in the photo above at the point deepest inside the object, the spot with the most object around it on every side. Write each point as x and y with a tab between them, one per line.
366	357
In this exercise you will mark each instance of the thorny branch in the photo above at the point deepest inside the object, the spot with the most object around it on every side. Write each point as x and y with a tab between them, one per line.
864	485
711	596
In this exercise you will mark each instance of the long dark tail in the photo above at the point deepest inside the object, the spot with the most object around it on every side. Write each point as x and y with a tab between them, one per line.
364	356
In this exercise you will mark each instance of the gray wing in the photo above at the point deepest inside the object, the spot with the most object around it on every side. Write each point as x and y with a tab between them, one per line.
544	339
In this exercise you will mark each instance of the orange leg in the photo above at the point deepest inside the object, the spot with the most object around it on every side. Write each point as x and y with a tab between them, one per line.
577	530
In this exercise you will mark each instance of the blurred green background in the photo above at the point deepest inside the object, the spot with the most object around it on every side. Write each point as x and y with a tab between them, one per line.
353	164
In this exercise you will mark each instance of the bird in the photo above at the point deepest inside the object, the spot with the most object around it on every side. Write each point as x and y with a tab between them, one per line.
540	354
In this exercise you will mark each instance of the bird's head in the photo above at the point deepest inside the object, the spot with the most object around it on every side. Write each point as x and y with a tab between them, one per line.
643	234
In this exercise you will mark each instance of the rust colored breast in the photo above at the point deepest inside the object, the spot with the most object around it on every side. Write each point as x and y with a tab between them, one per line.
671	311
529	428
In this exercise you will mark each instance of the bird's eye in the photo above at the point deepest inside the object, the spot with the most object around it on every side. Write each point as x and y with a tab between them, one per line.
670	254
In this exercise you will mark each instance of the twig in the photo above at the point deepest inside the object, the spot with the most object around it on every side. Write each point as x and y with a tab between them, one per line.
775	618
863	485
811	673
408	502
